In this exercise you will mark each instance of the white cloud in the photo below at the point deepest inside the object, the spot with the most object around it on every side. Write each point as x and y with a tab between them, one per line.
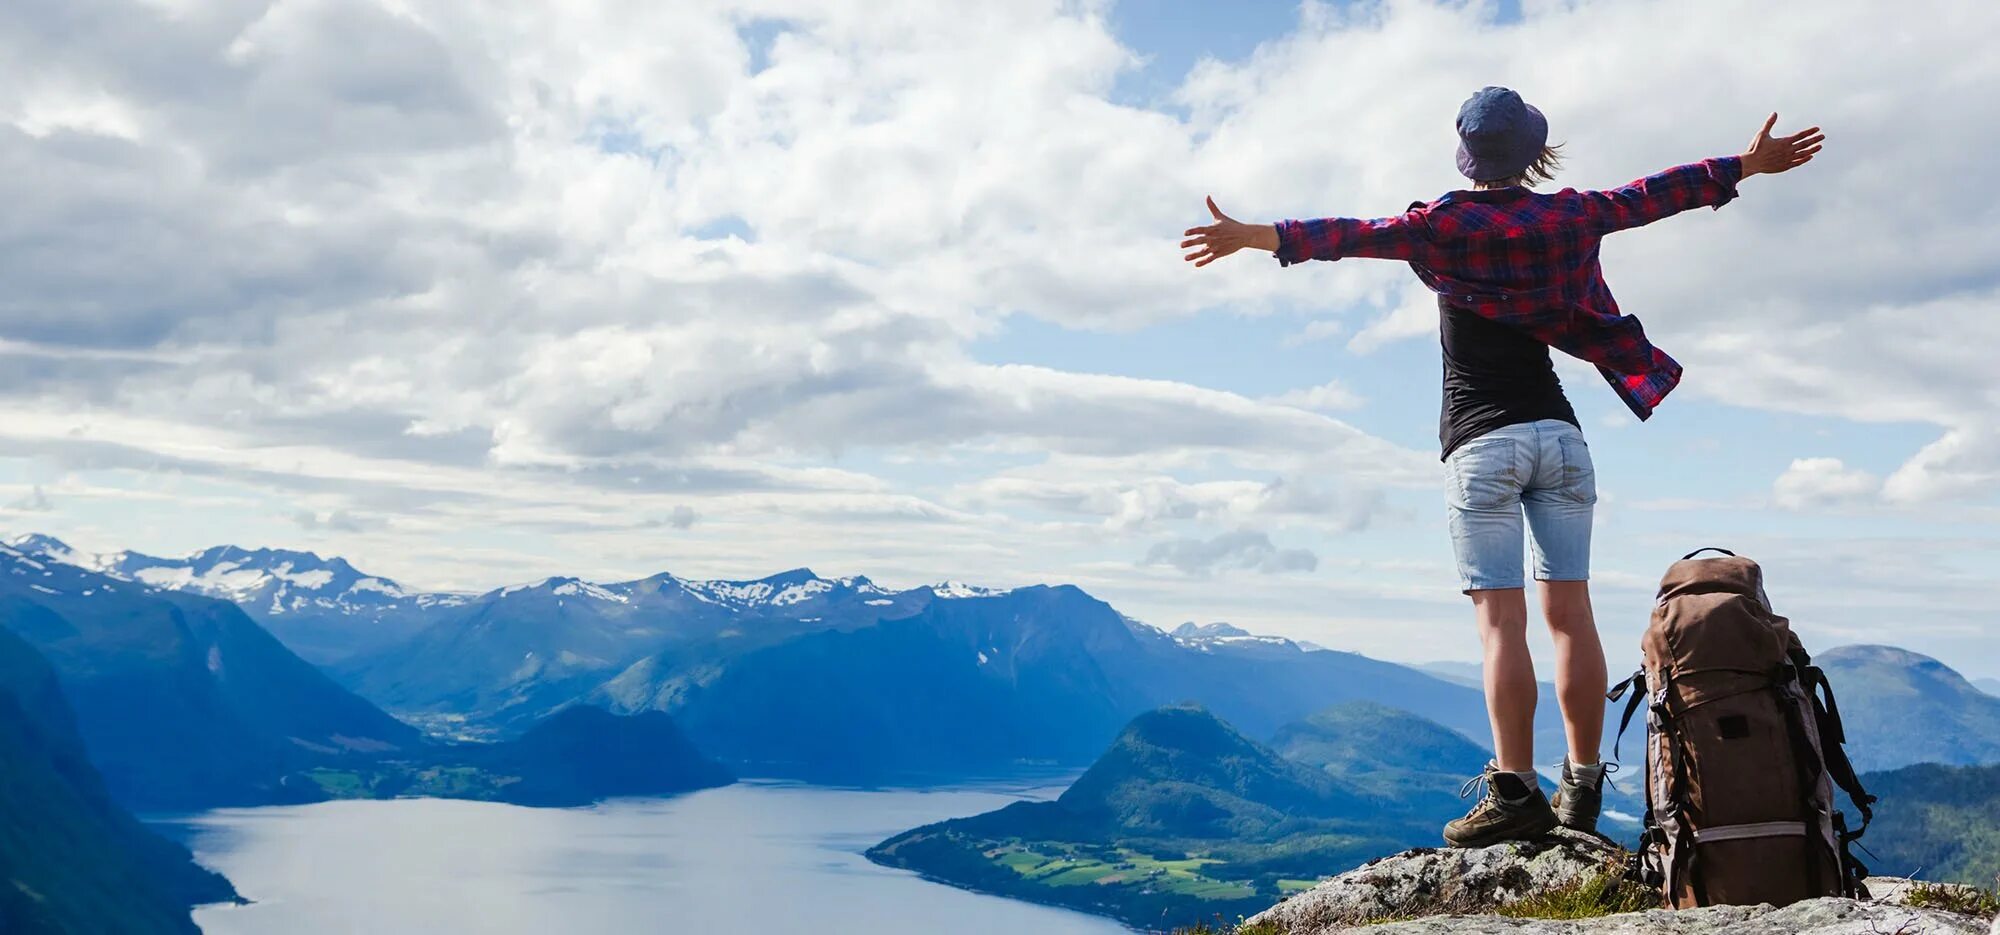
36	500
1332	395
905	173
455	265
1415	315
1106	489
1243	549
336	521
1817	482
1319	330
1965	463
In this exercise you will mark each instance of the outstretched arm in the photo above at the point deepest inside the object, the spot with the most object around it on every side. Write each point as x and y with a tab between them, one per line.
1710	182
1394	238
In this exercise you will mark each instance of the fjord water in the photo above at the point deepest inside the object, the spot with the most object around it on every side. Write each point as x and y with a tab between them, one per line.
754	857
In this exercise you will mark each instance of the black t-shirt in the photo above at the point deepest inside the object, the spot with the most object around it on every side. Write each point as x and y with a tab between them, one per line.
1494	375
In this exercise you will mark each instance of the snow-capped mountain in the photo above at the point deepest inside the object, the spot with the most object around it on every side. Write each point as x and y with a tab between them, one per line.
519	651
1208	631
323	608
44	564
280	580
1207	636
785	589
330	612
51	548
563	586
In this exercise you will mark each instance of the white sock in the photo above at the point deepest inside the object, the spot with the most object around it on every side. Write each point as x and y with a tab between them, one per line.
1498	789
1586	774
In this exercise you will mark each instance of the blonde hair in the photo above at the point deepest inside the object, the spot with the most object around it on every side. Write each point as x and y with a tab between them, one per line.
1543	169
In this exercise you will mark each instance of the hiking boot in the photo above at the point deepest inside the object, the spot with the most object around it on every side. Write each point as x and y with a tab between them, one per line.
1579	796
1511	810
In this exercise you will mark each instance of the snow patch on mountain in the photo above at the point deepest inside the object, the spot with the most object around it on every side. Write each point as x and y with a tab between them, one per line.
730	592
1206	637
51	548
1217	630
310	580
802	592
959	589
575	588
381	586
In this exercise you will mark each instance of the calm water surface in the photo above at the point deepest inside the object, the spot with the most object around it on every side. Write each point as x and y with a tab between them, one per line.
749	858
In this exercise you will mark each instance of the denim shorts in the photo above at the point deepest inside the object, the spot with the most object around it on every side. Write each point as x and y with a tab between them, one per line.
1540	469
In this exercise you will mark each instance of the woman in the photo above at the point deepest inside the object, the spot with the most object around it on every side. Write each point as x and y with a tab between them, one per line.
1516	273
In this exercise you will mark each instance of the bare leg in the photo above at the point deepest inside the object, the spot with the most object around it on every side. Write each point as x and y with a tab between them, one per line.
1510	675
1580	677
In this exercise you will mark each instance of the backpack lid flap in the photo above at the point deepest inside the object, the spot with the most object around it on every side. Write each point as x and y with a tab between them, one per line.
1729	574
1718	632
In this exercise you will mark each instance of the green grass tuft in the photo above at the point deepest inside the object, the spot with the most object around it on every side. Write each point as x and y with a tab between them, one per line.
1953	897
1204	928
1601	895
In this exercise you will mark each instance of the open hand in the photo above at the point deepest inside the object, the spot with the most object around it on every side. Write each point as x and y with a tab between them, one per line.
1777	154
1226	236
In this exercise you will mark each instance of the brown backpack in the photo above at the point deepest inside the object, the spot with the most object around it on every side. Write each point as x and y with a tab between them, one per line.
1744	747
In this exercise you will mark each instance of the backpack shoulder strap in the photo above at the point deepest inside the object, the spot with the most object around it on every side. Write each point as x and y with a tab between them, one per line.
1636	684
1833	738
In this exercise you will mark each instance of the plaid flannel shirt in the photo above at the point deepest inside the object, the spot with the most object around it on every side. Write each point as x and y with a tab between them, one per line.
1529	260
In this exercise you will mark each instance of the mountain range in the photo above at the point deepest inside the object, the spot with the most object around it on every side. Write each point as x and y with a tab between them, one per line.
805	676
794	674
510	656
182	700
321	608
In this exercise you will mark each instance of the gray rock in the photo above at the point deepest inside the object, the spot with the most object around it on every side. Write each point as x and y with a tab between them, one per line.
1443	890
1812	917
1435	881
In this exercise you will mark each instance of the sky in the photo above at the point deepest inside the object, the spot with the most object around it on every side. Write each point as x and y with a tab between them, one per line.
478	293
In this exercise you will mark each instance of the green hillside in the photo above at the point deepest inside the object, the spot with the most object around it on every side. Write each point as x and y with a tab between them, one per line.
70	859
1383	750
1936	822
1182	819
574	757
1901	708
